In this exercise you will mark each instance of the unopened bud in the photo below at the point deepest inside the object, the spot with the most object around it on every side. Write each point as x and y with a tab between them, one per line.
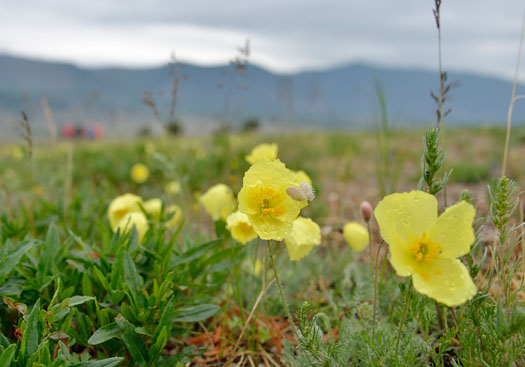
366	210
301	193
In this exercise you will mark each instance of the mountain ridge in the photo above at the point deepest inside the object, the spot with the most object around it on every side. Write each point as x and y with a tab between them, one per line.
342	96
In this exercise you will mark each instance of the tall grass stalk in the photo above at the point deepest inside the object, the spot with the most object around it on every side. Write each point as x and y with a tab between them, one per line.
513	99
387	172
372	272
441	123
283	300
236	277
503	204
375	275
402	322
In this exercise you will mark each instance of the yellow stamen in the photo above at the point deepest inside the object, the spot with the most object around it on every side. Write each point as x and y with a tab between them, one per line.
264	198
425	249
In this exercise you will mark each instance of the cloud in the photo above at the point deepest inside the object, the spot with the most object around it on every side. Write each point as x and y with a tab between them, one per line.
478	35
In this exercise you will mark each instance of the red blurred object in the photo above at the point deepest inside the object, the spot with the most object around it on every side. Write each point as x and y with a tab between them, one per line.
93	132
98	131
68	131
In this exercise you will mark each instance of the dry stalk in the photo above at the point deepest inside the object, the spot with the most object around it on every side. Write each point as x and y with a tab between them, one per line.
26	134
512	100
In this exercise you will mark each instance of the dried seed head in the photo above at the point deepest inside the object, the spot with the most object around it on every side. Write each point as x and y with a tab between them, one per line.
301	193
366	210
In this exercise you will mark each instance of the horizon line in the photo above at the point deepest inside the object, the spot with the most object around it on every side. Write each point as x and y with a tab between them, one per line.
260	65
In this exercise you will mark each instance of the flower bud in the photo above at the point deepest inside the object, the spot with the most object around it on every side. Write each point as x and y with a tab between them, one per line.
366	210
301	193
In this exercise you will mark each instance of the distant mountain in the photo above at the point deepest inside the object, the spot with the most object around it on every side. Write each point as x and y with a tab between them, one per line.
339	97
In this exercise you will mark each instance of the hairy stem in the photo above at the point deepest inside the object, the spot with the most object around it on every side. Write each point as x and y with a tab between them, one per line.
402	323
236	278
270	251
375	275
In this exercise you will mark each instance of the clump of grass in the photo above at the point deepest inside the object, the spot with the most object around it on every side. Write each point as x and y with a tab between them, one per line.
471	173
170	125
26	134
432	162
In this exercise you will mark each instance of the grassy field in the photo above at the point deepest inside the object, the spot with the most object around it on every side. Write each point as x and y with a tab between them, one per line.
181	291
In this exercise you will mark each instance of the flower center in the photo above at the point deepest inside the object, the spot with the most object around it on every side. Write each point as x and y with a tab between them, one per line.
424	248
265	198
245	228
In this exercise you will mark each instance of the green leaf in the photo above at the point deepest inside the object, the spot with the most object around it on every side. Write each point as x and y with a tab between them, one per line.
50	252
135	344
166	320
7	355
196	313
195	252
101	278
30	335
104	334
44	357
220	229
118	269
64	350
14	257
12	286
159	344
109	362
78	300
87	288
132	278
4	342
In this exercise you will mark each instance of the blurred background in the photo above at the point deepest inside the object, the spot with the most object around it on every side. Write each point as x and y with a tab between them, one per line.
121	69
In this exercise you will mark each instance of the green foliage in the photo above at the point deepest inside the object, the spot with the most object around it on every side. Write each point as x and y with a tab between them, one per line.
471	173
502	205
432	162
174	127
73	293
355	345
250	125
120	300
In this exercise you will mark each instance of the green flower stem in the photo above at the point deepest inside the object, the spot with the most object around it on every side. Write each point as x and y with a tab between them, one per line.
375	288
236	277
407	297
281	290
439	315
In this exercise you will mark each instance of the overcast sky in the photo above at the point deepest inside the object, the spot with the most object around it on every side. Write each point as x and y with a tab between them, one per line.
286	35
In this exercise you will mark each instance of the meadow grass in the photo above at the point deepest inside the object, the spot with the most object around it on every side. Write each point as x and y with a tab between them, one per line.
75	293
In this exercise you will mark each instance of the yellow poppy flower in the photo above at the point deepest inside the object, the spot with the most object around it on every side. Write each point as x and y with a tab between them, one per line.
17	153
258	267
172	188
304	236
153	207
264	199
150	148
134	219
262	151
139	173
122	205
39	190
219	201
356	235
426	246
176	213
301	176
240	227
